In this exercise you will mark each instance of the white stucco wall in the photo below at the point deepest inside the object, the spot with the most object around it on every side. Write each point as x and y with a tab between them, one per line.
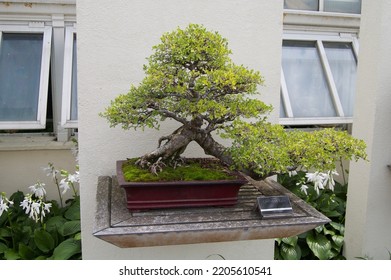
114	38
22	165
368	220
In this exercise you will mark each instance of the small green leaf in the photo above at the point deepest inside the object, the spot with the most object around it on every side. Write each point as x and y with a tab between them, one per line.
73	213
338	241
77	236
70	227
3	247
67	249
328	232
290	240
331	214
3	219
43	240
55	223
319	245
319	229
11	254
339	227
290	252
4	232
26	252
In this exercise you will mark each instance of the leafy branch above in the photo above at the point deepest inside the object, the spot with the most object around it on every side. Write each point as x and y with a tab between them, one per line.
191	79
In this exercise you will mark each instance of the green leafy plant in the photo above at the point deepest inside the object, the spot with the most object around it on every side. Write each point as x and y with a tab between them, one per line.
191	79
324	242
33	228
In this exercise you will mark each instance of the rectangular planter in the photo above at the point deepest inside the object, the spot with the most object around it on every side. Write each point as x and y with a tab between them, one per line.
153	195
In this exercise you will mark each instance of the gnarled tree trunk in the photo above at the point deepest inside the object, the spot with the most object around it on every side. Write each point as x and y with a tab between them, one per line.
175	144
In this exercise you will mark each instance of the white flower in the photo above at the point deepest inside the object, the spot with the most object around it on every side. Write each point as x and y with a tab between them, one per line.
74	178
38	190
64	186
322	180
50	170
25	204
304	188
46	207
3	205
35	211
317	179
68	181
329	179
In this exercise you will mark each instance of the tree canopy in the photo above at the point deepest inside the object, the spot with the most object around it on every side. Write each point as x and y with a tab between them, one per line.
190	78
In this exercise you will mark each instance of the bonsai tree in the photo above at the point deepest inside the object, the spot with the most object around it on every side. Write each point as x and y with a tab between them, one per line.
191	79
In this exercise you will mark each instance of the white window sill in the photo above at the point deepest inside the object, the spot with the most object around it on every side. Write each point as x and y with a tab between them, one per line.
31	143
62	2
341	22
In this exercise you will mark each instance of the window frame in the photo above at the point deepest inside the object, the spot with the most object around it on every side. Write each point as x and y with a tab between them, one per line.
66	104
321	9
289	118
40	122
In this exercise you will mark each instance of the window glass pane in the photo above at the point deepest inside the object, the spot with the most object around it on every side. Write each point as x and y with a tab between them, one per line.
343	6
305	80
282	108
344	69
74	82
311	5
20	69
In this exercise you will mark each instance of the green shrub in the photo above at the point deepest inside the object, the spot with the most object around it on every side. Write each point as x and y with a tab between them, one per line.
324	242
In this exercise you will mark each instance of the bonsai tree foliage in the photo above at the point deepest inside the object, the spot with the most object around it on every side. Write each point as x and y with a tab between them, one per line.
191	79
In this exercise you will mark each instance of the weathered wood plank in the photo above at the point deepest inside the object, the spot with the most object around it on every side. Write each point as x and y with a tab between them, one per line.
195	225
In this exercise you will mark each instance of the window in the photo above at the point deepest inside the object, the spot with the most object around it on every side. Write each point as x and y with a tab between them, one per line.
318	79
338	6
69	114
24	76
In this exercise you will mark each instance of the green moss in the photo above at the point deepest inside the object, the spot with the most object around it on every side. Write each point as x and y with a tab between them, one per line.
193	170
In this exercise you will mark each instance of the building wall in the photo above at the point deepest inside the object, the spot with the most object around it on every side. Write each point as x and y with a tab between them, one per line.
368	222
23	155
114	38
22	166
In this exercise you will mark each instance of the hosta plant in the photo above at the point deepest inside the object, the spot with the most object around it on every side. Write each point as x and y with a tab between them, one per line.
31	227
324	242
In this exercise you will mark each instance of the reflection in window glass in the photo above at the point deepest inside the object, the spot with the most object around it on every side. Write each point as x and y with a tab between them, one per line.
343	67
310	5
74	82
20	70
282	109
305	80
343	6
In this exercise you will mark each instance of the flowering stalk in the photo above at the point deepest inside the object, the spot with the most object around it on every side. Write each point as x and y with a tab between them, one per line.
69	181
52	172
35	208
319	180
34	204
